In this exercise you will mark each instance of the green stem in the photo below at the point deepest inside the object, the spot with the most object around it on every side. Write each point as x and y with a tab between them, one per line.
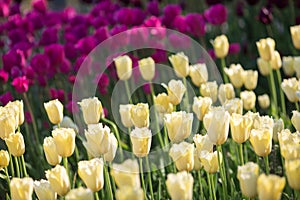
246	153
241	154
142	177
186	99
209	184
213	186
11	164
96	196
200	184
149	178
292	9
223	63
113	182
110	194
65	161
222	172
17	167
273	89
7	177
266	158
128	91
32	117
282	100
24	166
297	106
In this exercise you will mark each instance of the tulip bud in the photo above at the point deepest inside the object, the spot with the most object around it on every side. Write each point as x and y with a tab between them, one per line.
176	90
201	106
261	140
263	67
292	168
288	65
240	127
141	141
296	66
226	92
209	89
277	128
4	158
162	103
264	101
234	106
140	115
19	110
59	180
124	67
179	125
64	139
91	173
180	186
249	99
270	187
126	174
180	63
250	79
8	123
21	188
15	144
147	68
198	74
124	111
275	61
289	87
129	193
221	46
113	146
91	109
210	161
296	120
247	175
80	194
183	156
266	48
43	190
295	32
203	143
235	74
50	150
54	111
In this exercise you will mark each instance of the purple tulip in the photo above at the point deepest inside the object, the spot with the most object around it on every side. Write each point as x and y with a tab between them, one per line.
67	14
4	9
180	24
71	51
103	82
170	13
29	73
42	80
216	14
3	76
234	48
265	15
23	46
196	24
53	19
28	117
146	88
21	84
65	67
124	40
40	63
86	68
101	34
17	35
14	9
55	53
138	37
57	94
178	41
86	45
212	54
13	58
153	8
129	16
36	19
153	22
39	5
5	98
49	36
72	107
159	56
99	21
15	72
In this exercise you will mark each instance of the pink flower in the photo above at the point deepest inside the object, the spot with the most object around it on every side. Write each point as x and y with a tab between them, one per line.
196	24
3	76
216	14
21	84
55	53
146	88
40	5
234	48
5	98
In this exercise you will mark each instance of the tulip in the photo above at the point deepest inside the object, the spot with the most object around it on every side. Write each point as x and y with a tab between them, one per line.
234	106
263	66
162	103
292	168
124	111
59	180
210	161
21	188
240	127
8	123
18	106
249	99
266	48
141	141
201	106
64	139
180	62
183	156
198	74
209	89
262	122
264	101
288	65
113	146
235	74
130	193
15	144
50	150
140	115
203	143
226	92
296	120
197	161
261	140
180	186
179	125
256	119
295	32
296	66
289	87
277	128
147	68
289	144
80	194
270	187
54	111
124	67
221	46
207	118
248	175
4	158
43	190
126	174
91	173
218	128
176	90
91	109
250	79
276	62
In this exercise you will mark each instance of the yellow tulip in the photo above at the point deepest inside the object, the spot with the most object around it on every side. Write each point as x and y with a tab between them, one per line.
147	68
141	141
210	161
296	120
210	89
59	180
91	109
8	123
201	106
221	46
277	128
180	186
250	79
176	90
21	188
296	66
80	194
15	144
43	190
240	127
203	143
183	156
180	63
263	67
226	92
4	158
261	140
198	73
113	146
270	187
140	115
124	67
292	168
290	87
54	111
91	173
130	193
289	144
124	111
18	106
50	150
275	61
162	103
264	101
288	65
64	139
249	99
295	32
235	72
234	106
247	176
266	48
197	161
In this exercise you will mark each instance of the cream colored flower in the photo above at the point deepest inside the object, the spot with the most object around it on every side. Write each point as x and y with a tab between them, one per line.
8	123
21	188
290	87
43	190
80	194
226	92
240	127
124	111
261	141
91	110
292	168
64	139
295	33
201	106
4	158
275	61
296	120
129	193
147	68
180	186
235	72
54	109
247	176
263	67
113	146
198	73
162	103
141	141
221	46
180	63
250	79
264	101
203	143
18	107
176	90
249	99
15	144
210	161
209	89
277	128
140	115
234	106
297	66
59	180
270	187
50	151
266	48
124	67
197	161
183	156
288	65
